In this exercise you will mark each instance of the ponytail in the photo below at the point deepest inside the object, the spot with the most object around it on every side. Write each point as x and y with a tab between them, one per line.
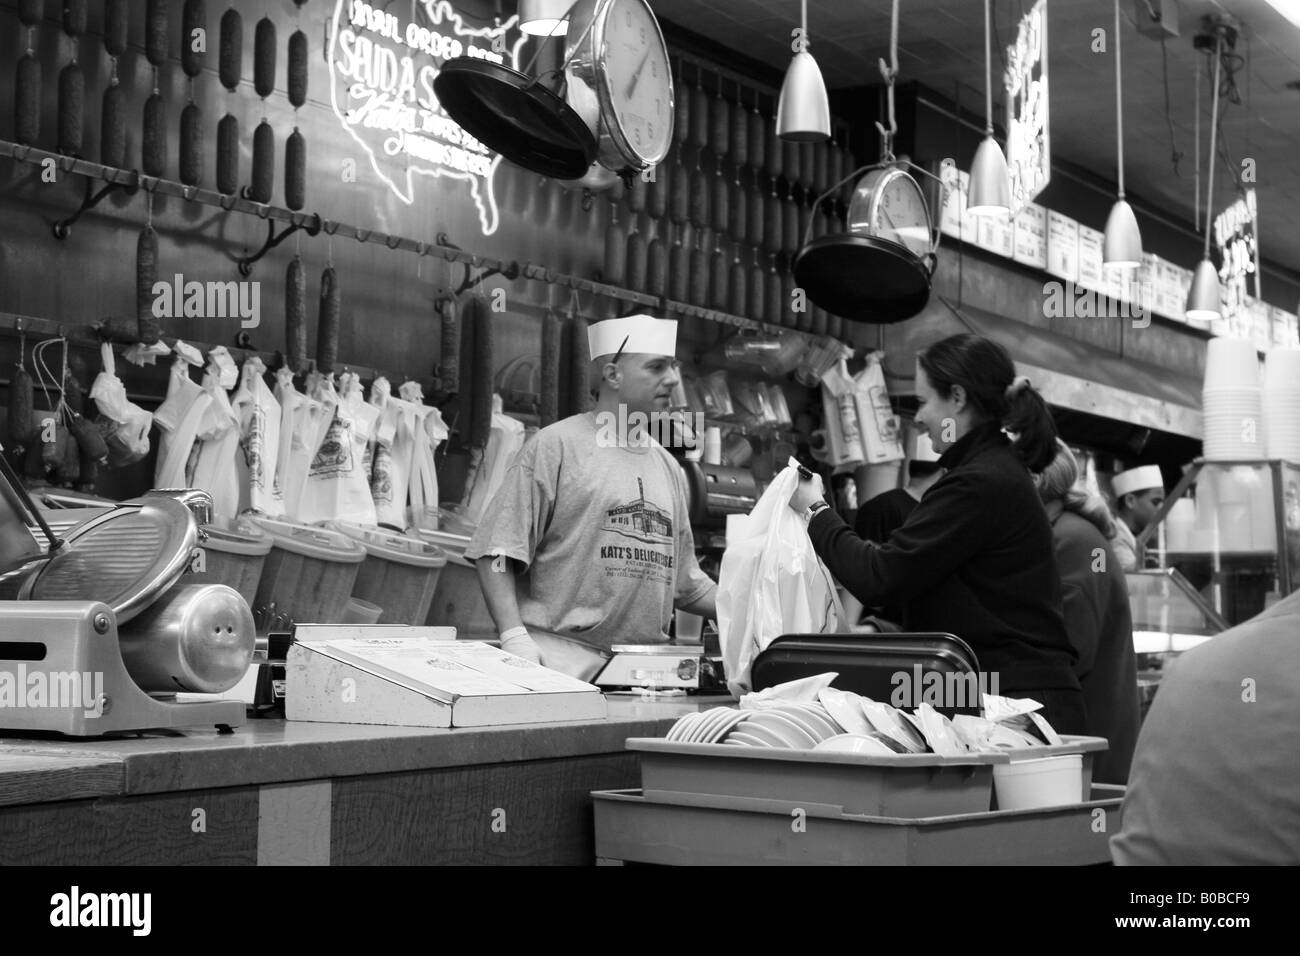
1030	422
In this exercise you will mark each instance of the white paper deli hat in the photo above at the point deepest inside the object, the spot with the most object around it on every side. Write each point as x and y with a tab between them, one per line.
644	334
1138	479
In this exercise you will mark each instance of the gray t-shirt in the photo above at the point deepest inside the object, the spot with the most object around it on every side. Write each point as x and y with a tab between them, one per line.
605	534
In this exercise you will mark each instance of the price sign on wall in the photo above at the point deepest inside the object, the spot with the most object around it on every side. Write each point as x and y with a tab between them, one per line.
382	66
1029	155
1235	230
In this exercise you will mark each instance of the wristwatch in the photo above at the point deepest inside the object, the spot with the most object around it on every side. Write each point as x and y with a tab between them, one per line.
812	510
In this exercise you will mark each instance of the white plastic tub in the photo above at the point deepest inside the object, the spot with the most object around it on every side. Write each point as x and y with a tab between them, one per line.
309	572
1041	782
400	574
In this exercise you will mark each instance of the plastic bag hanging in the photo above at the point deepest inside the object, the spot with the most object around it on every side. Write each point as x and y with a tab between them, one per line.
428	432
504	441
259	418
882	437
178	420
214	466
337	486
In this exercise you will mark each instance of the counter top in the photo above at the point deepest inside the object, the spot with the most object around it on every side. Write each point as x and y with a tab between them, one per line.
51	768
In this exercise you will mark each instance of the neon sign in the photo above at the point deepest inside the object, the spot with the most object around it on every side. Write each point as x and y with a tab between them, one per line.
1029	154
381	89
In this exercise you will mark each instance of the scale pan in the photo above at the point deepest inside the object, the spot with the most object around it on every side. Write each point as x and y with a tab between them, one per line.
863	278
514	115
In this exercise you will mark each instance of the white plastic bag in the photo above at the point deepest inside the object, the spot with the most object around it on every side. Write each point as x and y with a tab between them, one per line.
212	466
843	438
308	418
338	487
178	420
259	438
771	583
882	438
428	431
504	441
124	424
290	400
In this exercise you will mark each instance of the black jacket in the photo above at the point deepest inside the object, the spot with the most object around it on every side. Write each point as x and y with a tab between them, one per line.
974	559
1100	626
877	521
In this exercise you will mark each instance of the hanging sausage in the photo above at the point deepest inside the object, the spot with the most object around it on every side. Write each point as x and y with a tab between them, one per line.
146	274
295	316
328	321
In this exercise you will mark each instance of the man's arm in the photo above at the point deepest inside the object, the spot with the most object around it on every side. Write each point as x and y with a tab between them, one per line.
496	576
706	605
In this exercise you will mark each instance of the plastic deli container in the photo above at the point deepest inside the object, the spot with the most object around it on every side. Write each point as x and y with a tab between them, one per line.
400	574
458	600
309	573
1041	782
1085	747
234	554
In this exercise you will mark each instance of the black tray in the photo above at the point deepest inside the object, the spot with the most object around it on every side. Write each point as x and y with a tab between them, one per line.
867	665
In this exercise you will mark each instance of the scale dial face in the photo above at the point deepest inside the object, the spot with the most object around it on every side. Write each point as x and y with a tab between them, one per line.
638	83
889	204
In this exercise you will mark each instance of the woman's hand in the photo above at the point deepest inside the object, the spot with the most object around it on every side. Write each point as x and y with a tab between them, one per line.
810	490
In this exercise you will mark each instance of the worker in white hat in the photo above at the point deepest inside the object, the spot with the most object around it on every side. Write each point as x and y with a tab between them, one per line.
1139	493
588	542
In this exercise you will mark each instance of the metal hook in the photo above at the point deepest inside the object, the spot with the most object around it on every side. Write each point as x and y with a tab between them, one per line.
362	235
330	227
393	242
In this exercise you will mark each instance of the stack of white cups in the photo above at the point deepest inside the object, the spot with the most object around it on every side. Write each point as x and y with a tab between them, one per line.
1282	404
1232	401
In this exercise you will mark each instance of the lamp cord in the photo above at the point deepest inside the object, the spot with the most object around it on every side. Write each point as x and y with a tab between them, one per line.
988	75
1214	126
1119	105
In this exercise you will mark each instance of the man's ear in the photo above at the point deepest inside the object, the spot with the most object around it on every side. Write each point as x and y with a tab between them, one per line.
612	373
1129	501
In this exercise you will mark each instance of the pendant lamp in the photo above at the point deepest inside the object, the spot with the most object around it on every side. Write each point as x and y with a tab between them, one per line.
990	183
544	18
803	113
1122	247
1204	297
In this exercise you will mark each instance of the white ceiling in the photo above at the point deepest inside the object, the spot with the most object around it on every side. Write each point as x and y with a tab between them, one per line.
941	44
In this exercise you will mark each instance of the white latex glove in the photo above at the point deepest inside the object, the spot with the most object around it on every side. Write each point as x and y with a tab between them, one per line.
517	641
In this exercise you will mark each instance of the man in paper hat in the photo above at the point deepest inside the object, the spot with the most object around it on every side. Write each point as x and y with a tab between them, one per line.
1139	493
588	542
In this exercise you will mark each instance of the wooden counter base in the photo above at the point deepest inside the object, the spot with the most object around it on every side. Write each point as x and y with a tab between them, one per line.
319	794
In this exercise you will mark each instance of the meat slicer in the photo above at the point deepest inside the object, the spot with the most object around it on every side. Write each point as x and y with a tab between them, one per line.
99	630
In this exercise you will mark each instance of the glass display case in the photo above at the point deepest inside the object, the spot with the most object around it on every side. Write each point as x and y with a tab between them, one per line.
1231	529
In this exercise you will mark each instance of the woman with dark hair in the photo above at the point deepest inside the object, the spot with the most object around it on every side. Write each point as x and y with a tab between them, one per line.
1097	616
975	557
